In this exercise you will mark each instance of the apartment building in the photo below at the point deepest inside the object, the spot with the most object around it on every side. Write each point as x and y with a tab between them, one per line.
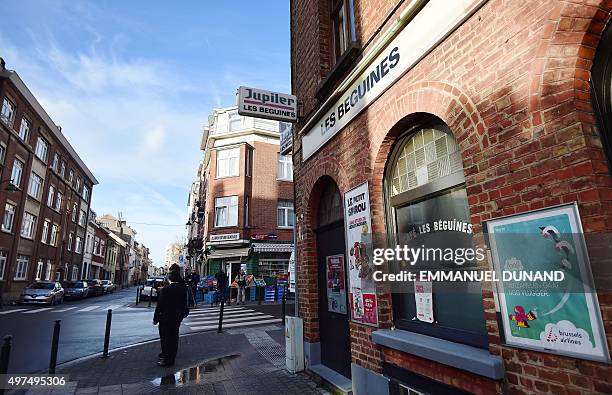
495	114
243	217
46	193
133	267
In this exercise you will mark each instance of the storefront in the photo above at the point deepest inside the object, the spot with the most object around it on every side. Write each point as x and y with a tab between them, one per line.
440	126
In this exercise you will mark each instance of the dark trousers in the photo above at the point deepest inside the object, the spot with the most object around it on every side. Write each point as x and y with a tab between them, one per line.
169	338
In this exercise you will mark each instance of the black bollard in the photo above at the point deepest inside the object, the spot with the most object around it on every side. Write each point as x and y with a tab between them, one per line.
4	356
137	295
54	346
221	316
284	302
109	318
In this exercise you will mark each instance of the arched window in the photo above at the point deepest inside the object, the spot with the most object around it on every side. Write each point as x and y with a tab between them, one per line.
601	91
425	184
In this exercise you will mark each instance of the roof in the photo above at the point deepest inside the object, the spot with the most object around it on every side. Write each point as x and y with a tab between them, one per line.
29	96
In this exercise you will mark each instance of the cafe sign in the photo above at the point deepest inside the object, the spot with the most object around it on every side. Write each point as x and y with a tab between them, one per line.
424	32
266	104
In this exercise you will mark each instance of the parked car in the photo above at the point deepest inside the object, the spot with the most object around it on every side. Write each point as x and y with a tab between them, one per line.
75	289
151	288
40	292
108	286
95	287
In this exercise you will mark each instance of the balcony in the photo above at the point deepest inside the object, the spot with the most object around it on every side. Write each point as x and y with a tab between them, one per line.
227	123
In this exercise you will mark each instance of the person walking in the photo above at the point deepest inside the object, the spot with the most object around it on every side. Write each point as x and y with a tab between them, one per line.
221	285
241	281
170	310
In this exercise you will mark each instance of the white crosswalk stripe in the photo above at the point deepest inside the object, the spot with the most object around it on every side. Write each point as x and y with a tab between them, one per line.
89	308
37	310
112	307
11	311
208	318
66	309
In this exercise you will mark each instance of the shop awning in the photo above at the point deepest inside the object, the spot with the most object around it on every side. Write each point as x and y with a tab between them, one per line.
272	247
229	252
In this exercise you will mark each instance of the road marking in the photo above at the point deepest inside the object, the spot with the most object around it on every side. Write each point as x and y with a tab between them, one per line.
66	309
217	312
233	319
90	308
36	310
216	317
113	307
11	311
234	324
216	309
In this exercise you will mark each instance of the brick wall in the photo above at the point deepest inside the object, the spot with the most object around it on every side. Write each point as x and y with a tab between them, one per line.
512	85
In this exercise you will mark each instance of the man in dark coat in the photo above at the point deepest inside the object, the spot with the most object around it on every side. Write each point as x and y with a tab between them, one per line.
170	310
222	280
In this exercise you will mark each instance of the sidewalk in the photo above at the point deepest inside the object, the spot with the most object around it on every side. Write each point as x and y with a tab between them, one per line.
250	360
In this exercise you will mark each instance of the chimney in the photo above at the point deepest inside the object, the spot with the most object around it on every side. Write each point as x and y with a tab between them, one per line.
2	64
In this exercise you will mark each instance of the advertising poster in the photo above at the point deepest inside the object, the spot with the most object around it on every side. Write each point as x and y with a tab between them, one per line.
336	292
358	228
424	301
560	317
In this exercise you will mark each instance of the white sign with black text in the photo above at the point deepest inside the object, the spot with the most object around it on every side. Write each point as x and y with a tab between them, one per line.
225	237
261	103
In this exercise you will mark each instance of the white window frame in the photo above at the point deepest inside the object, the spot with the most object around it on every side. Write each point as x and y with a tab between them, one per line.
39	269
2	153
78	245
3	260
35	186
59	201
75	272
83	218
42	149
284	171
62	171
8	116
226	211
28	225
70	240
78	183
8	218
48	269
16	176
51	196
85	194
70	176
24	129
54	234
56	161
228	162
288	212
21	267
248	165
45	231
75	209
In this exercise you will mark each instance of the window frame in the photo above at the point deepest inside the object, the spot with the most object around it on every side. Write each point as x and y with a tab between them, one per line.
39	269
286	214
44	236
434	188
22	263
28	223
229	207
42	142
286	163
20	176
12	217
349	28
233	172
54	235
34	176
3	261
11	119
59	201
24	130
2	153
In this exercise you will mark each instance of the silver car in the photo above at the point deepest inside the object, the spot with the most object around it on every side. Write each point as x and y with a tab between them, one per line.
42	292
151	288
108	286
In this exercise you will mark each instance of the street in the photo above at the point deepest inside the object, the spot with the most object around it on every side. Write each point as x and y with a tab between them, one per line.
83	324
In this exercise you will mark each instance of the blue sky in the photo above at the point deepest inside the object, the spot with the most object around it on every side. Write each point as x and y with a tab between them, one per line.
132	84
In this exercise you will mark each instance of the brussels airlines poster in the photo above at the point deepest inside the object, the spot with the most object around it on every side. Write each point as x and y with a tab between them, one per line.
358	228
560	317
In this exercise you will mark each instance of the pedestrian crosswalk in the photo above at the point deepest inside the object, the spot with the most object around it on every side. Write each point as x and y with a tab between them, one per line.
88	309
202	319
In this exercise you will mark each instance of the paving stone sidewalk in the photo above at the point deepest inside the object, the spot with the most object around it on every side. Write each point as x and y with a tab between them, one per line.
249	361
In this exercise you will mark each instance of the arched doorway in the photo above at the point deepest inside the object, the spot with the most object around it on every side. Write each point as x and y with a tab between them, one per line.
601	91
333	303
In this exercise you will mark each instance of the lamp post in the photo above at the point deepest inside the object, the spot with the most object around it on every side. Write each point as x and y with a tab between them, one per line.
10	188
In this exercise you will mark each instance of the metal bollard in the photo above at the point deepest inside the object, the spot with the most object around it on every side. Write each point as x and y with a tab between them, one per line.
109	318
54	346
221	316
137	296
4	356
284	302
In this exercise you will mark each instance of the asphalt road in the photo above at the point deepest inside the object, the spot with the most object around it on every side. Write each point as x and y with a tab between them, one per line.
82	328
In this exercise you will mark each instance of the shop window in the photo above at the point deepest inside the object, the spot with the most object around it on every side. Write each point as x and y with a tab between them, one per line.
601	91
424	183
273	267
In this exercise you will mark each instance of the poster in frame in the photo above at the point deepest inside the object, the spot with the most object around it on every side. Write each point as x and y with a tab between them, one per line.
560	318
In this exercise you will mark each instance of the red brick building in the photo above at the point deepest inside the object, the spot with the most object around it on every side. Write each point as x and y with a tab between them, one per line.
243	211
470	110
45	193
